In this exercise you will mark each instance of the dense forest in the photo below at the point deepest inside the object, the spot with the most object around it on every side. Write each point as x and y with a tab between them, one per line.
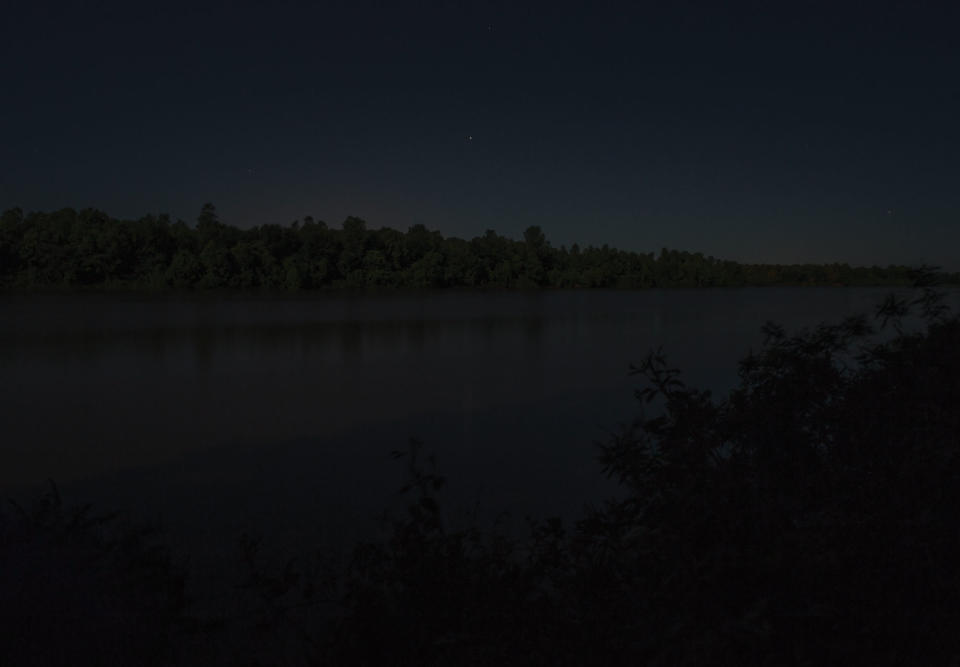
807	518
67	248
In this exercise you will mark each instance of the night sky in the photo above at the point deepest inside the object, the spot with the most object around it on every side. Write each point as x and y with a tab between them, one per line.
783	131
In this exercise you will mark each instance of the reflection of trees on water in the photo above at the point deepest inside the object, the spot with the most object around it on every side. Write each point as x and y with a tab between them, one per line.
352	340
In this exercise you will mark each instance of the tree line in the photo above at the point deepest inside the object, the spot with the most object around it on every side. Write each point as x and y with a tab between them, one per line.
69	248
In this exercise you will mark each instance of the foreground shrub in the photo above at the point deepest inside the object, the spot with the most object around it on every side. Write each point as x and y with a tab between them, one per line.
82	589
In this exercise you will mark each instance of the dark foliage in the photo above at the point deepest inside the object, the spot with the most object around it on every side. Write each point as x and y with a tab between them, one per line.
67	248
84	589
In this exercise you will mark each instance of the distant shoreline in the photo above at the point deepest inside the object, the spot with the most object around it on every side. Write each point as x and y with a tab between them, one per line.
69	250
226	292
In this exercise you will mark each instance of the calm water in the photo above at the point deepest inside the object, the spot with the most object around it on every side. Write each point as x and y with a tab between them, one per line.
277	414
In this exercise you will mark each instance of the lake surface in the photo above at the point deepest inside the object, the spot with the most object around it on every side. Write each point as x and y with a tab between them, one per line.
277	414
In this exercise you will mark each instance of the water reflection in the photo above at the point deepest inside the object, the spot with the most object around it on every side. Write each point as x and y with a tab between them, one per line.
353	341
96	384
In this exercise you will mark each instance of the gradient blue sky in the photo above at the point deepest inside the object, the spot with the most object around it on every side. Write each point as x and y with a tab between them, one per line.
775	131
